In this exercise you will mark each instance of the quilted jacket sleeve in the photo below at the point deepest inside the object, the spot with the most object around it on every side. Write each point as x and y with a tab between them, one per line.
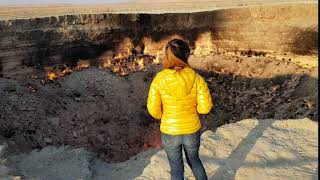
154	99
204	101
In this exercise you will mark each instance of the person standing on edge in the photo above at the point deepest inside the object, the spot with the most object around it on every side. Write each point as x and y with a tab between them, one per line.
177	96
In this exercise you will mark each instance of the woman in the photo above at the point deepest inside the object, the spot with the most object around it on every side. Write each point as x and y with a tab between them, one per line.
177	95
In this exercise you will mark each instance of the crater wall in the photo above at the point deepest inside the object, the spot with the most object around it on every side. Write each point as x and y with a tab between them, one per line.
291	28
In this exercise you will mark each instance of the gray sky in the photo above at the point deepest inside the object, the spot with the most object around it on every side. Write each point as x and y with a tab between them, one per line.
58	1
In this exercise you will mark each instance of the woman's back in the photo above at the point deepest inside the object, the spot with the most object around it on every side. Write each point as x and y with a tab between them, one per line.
177	96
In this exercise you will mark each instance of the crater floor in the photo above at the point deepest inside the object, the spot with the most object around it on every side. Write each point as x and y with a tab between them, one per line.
107	114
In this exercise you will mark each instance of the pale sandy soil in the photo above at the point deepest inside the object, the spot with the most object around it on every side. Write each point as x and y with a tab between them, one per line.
253	149
136	6
247	150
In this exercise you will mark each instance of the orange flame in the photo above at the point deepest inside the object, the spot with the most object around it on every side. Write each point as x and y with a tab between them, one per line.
66	70
145	51
157	60
115	69
123	64
123	73
128	51
122	55
118	56
132	67
52	76
82	64
106	64
141	64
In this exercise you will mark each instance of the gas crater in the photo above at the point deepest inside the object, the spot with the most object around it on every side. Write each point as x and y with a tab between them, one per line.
82	80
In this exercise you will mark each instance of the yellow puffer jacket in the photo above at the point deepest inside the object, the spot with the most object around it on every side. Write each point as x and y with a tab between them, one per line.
176	97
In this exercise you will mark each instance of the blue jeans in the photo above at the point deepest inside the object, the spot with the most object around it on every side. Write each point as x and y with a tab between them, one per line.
173	145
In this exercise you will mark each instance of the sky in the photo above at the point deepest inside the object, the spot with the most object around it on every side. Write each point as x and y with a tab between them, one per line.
9	2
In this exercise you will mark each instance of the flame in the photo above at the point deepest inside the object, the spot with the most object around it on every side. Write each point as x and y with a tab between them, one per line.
157	60
66	70
123	54
121	64
132	67
123	73
34	76
52	76
126	63
118	56
141	64
106	64
33	89
115	69
145	51
82	64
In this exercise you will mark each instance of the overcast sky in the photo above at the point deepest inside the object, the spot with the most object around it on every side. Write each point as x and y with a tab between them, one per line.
58	1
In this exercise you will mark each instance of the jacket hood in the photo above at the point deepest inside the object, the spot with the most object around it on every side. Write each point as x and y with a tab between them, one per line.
178	83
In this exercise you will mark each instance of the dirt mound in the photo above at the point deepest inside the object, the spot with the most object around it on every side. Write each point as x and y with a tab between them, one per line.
92	108
268	149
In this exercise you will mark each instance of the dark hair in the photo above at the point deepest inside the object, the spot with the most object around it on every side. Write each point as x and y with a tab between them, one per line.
180	49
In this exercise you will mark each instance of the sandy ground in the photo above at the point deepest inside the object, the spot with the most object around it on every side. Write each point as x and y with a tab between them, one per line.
155	7
248	149
254	149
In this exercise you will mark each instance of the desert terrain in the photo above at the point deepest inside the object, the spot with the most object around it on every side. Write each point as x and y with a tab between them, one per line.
134	6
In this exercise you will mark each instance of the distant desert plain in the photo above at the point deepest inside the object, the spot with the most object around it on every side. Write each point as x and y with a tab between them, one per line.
25	11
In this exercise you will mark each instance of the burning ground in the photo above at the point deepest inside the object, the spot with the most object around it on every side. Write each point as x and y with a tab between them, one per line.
99	109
